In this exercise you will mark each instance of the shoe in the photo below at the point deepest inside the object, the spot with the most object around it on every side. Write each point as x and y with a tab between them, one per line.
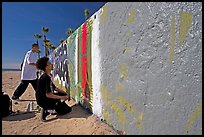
52	112
44	114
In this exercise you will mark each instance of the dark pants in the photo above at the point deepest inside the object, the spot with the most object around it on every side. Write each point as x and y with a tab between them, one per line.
23	86
50	103
60	107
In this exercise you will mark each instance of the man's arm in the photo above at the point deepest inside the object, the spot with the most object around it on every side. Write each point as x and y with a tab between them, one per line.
51	95
60	90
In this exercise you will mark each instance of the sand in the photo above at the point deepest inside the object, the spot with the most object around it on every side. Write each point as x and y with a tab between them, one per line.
77	122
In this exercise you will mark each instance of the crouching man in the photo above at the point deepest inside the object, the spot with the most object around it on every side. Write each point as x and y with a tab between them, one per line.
48	96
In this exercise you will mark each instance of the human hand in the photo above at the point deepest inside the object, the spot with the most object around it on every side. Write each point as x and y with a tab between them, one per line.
66	97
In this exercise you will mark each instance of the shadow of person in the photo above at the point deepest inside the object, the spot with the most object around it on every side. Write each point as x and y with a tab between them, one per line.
77	112
19	116
26	100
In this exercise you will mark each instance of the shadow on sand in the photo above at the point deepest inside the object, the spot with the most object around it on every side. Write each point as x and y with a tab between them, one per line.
77	112
19	116
27	100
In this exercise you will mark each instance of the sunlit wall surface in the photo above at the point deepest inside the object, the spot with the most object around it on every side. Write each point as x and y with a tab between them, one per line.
137	66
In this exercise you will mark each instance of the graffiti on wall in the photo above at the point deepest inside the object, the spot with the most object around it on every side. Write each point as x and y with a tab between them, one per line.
119	104
73	74
60	68
84	64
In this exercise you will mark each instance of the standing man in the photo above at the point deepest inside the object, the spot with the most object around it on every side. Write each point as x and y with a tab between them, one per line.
28	72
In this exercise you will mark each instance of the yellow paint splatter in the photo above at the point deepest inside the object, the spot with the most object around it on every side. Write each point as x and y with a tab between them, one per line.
120	87
104	14
186	20
123	71
171	54
90	21
126	50
120	114
131	17
139	122
106	116
125	103
197	112
105	94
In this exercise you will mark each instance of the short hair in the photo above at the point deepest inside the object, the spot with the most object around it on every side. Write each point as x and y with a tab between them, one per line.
34	44
42	63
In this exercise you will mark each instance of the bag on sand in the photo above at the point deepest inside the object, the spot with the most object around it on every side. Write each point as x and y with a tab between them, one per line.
6	105
62	108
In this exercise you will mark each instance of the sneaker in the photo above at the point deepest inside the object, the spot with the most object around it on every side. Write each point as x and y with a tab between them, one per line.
52	112
44	114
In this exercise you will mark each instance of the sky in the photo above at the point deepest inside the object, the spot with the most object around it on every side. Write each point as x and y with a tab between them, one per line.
22	20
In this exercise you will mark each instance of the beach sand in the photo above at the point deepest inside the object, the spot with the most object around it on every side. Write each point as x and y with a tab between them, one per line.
77	122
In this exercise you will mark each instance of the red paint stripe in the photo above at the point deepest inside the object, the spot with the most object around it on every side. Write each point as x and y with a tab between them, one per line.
84	38
84	71
84	59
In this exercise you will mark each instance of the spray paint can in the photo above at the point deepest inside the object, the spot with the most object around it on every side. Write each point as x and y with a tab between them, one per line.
31	106
28	107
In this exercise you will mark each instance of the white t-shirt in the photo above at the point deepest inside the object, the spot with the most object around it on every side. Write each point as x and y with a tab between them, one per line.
29	71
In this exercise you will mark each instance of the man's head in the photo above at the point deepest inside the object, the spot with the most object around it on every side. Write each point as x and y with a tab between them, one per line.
35	48
44	64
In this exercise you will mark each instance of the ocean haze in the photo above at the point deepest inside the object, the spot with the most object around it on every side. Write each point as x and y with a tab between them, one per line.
10	69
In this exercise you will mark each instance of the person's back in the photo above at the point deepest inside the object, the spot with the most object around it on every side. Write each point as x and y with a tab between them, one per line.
48	96
29	71
42	87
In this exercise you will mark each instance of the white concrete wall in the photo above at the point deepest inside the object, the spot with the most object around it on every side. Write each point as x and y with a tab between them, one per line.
146	66
96	66
151	67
